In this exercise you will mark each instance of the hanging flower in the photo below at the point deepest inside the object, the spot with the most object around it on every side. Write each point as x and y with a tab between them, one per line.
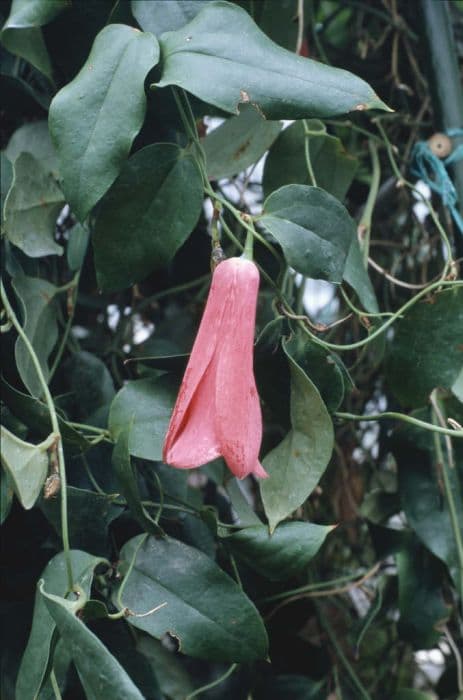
217	412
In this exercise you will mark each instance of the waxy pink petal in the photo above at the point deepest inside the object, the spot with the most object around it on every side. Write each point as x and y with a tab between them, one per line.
217	410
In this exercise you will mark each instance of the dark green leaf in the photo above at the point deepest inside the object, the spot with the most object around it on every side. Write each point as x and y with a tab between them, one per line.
158	16
431	329
40	326
356	275
313	228
296	465
128	485
292	687
411	694
35	139
36	656
334	169
32	207
238	143
223	58
26	465
21	33
282	555
147	214
421	602
240	505
206	612
6	179
90	382
77	246
6	496
100	673
323	368
423	500
172	676
90	516
35	415
148	403
94	119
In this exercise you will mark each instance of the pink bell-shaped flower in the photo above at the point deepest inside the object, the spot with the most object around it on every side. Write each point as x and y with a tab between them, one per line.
217	412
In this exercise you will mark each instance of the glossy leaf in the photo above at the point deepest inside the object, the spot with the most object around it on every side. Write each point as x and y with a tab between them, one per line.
21	33
282	555
99	672
148	403
39	324
36	656
128	485
35	139
158	16
223	58
26	465
32	207
147	214
313	228
206	612
333	167
94	119
431	329
238	143
298	462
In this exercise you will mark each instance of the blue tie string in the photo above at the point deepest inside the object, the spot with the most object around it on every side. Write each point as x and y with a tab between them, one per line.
433	171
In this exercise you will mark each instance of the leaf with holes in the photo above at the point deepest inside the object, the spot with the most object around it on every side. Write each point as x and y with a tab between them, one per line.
206	611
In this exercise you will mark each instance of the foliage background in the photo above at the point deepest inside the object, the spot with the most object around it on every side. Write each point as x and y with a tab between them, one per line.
350	611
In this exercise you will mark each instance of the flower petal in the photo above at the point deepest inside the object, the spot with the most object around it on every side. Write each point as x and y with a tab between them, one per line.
238	414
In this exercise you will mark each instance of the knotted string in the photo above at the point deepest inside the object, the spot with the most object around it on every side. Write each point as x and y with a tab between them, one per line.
433	171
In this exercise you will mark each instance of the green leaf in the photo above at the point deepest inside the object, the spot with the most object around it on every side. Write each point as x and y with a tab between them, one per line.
35	139
21	33
6	496
36	656
40	326
90	382
323	368
421	603
32	207
431	329
313	228
238	143
282	555
26	465
94	119
223	58
173	678
422	499
158	16
77	246
6	180
356	275
128	485
35	415
412	694
148	403
147	214
100	673
296	465
91	514
333	167
291	687
206	612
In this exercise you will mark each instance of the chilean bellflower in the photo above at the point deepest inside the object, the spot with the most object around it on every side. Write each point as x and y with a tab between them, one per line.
217	412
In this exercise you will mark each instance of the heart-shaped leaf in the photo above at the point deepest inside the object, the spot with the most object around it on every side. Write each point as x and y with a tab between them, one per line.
94	119
147	214
26	464
313	228
223	58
